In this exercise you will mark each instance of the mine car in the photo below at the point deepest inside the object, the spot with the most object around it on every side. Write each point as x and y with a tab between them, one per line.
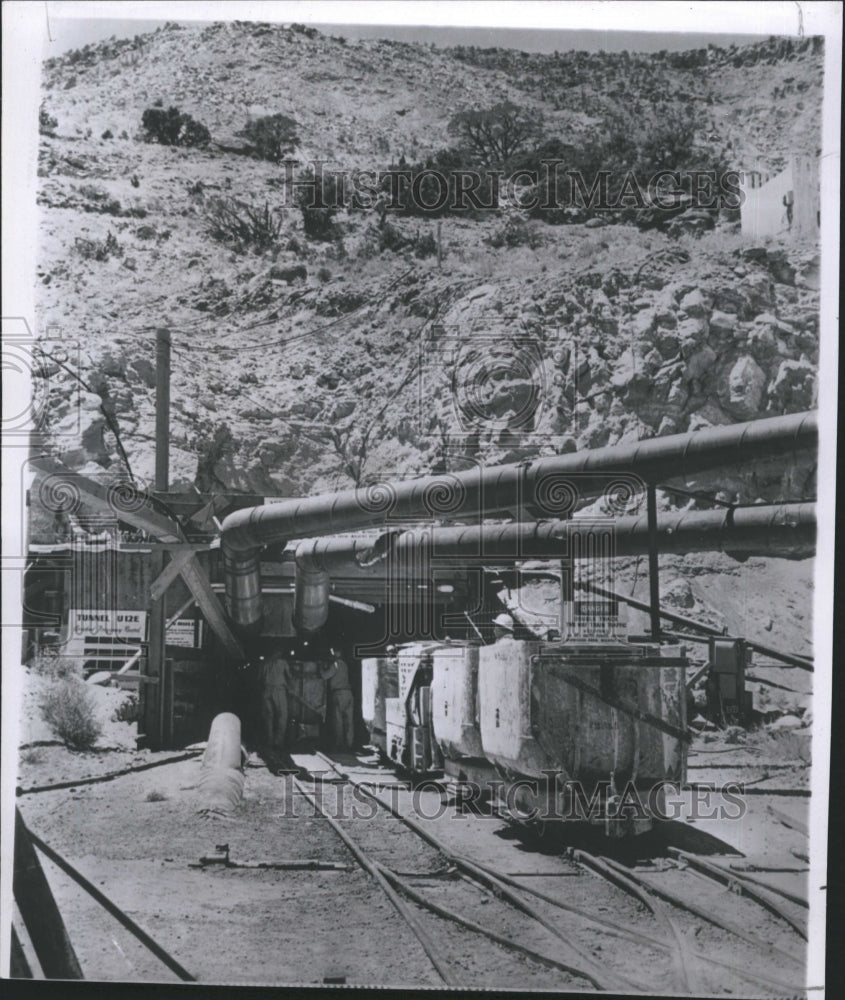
554	731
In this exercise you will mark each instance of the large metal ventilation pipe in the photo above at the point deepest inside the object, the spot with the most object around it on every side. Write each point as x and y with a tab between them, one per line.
545	488
786	530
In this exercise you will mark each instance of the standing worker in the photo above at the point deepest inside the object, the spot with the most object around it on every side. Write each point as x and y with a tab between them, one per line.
273	677
340	704
502	627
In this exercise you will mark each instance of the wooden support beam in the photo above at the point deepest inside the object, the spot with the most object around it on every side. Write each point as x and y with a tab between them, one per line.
170	572
38	910
165	530
208	602
151	696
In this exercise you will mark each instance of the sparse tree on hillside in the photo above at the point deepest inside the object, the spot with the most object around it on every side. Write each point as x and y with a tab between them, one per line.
173	128
273	136
496	134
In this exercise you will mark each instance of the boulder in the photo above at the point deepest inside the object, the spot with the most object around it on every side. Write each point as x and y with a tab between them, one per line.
745	389
759	290
699	363
677	594
708	415
762	343
113	365
694	303
668	425
667	342
722	323
142	370
786	722
643	323
793	389
695	327
780	268
730	299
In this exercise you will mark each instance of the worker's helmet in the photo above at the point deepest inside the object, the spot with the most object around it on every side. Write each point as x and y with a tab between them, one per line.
504	621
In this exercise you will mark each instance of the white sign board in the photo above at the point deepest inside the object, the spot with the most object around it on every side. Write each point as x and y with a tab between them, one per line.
107	622
185	632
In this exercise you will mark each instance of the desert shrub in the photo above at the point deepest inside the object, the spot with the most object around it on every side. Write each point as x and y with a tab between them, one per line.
304	29
515	232
273	137
425	246
100	250
174	128
49	663
319	198
449	182
68	708
108	134
621	161
391	239
242	227
155	796
127	710
47	124
324	274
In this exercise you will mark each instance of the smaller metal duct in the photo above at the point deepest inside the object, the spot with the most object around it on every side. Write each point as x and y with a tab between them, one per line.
243	588
311	597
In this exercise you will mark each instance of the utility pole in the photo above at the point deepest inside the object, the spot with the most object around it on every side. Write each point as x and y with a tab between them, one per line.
653	569
154	698
162	410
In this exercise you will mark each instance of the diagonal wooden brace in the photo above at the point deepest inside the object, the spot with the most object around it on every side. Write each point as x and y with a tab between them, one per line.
165	529
177	562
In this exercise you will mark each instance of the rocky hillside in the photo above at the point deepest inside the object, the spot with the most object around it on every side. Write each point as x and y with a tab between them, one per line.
315	364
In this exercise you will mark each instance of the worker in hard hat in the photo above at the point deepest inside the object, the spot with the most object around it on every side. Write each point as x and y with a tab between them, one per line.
273	678
502	627
340	703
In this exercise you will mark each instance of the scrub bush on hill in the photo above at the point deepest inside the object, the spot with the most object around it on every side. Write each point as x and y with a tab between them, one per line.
68	708
449	182
47	124
621	163
242	227
173	128
273	137
319	198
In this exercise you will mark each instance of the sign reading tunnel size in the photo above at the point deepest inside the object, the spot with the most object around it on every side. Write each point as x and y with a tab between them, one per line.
108	622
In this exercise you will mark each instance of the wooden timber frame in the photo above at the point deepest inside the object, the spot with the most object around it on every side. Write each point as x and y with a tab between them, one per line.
173	556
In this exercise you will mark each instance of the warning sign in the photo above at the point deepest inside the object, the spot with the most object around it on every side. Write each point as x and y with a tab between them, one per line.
185	632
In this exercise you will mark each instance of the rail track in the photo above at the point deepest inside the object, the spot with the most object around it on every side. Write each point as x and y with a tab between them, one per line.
671	926
487	912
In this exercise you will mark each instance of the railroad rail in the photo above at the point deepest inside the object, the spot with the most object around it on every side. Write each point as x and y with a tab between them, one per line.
668	910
